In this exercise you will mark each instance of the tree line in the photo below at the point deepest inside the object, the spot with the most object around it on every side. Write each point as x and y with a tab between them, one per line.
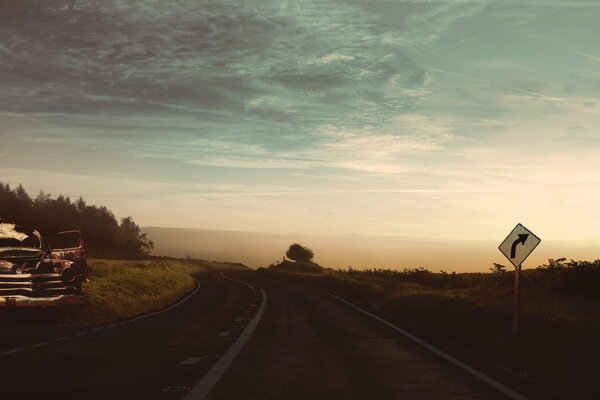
104	235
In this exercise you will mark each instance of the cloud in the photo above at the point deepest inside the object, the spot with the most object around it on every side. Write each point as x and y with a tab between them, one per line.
587	55
292	66
333	57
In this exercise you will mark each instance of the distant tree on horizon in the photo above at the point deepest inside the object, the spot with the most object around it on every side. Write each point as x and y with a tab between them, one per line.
297	252
498	269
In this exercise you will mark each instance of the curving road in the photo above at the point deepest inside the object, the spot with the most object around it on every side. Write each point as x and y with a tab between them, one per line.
312	346
158	357
307	345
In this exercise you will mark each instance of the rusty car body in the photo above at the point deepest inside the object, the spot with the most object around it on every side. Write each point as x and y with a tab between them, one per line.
35	275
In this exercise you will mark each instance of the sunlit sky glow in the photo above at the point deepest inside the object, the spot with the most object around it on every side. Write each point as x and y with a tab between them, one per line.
431	119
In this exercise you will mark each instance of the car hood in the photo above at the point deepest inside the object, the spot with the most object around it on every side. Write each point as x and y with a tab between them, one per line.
19	252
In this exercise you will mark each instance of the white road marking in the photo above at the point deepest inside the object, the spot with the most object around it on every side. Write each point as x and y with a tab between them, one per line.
81	333
13	351
224	333
480	375
176	389
97	329
191	361
202	388
38	345
62	339
240	282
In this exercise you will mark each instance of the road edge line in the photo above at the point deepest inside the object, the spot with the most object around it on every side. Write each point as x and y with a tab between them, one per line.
172	306
212	377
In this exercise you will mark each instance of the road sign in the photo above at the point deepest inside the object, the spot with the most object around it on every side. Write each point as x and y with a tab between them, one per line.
519	244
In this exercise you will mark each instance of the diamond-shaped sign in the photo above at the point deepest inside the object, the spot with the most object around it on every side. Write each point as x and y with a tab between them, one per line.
519	244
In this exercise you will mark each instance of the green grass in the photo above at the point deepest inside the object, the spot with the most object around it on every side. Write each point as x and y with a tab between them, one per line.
119	289
560	341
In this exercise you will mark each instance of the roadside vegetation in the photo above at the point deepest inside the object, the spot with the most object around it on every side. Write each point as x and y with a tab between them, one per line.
120	288
104	235
124	288
558	345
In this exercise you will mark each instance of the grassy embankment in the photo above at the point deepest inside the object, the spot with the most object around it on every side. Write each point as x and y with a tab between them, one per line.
119	289
559	345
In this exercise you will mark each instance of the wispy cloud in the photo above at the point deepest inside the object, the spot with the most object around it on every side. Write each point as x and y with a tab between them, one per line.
587	55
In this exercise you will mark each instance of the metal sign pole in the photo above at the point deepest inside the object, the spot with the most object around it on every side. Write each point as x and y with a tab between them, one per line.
517	300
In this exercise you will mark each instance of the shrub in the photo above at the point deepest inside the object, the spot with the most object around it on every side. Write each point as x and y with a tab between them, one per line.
298	252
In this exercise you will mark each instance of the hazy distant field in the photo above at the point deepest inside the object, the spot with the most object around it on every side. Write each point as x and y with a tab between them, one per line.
262	249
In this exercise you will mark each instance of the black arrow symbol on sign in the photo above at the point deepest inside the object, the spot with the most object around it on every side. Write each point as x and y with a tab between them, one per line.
522	239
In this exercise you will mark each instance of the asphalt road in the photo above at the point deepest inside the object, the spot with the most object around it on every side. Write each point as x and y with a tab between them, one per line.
312	346
135	360
307	346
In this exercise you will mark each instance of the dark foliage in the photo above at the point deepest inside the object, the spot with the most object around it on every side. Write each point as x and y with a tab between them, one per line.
298	266
104	235
298	252
574	277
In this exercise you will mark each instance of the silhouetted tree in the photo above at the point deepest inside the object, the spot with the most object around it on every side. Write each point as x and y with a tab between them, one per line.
298	252
102	232
132	242
498	269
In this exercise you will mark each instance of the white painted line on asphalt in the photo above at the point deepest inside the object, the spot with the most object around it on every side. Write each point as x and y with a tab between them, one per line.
13	351
480	375
240	282
202	388
224	333
38	345
191	361
97	329
175	389
81	333
62	339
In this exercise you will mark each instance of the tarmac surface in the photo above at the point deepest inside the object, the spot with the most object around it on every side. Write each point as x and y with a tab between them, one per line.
307	345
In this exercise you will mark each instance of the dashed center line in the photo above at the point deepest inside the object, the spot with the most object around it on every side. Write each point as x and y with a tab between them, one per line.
13	351
191	361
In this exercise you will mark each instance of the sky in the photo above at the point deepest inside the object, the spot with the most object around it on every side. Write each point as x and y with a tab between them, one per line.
445	120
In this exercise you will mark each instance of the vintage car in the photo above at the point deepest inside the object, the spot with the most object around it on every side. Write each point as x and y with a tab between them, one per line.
33	275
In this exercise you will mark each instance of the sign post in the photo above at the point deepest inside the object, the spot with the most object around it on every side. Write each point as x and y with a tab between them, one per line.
517	301
517	246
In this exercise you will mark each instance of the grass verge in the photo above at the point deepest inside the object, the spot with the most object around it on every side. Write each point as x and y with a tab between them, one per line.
119	289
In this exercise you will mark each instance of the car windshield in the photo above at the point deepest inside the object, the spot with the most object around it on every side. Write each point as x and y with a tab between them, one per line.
29	242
